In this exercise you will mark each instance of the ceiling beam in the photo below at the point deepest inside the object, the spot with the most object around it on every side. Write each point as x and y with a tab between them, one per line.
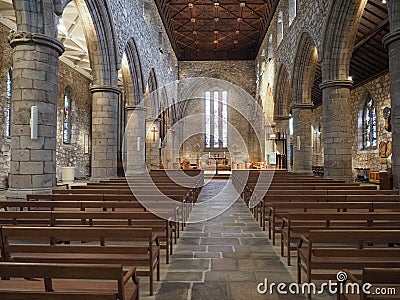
367	37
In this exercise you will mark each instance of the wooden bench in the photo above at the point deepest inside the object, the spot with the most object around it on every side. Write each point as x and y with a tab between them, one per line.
163	228
325	252
167	205
102	245
386	279
269	199
296	225
92	206
67	281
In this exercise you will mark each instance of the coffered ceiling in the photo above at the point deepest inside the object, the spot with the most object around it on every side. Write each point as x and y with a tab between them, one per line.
216	29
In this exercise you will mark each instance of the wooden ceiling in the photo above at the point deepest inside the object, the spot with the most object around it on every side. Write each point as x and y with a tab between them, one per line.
370	59
216	29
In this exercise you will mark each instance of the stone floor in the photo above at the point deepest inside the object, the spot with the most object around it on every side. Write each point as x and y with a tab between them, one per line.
225	257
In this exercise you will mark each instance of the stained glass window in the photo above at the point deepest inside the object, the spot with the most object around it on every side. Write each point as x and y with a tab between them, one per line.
208	119
369	124
216	119
67	118
224	119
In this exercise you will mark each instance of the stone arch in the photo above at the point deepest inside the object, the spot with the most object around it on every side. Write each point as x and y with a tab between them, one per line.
305	63
101	41
339	37
283	94
136	75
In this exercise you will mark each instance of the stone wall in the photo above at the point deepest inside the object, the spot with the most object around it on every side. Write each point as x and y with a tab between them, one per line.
74	154
240	73
140	19
379	89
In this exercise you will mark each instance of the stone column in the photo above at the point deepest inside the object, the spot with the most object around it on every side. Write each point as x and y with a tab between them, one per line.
35	83
392	42
302	138
104	131
135	135
153	127
337	129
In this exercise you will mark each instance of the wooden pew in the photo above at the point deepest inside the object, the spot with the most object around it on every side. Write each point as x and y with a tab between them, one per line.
133	220
324	252
296	225
67	281
269	199
139	247
179	212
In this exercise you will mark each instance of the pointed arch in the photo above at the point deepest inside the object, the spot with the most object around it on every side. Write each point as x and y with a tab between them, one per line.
283	94
101	40
135	68
305	64
339	37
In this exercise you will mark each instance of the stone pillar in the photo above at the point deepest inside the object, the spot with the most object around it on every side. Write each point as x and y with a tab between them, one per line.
392	42
35	83
135	135
153	127
302	138
337	129
104	131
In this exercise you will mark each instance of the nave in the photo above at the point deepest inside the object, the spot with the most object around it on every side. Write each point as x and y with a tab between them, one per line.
222	258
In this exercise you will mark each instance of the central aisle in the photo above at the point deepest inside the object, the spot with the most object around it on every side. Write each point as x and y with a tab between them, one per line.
223	258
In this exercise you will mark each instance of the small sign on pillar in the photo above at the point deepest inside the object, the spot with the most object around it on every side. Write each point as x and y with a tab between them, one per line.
34	122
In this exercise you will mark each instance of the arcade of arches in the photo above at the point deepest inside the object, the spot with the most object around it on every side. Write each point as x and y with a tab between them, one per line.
87	65
118	87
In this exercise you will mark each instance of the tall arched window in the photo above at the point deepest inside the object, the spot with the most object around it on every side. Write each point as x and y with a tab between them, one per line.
280	27
67	117
368	124
216	119
292	10
8	104
270	47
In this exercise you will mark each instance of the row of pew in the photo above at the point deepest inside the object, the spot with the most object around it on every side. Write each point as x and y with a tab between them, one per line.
105	234
332	226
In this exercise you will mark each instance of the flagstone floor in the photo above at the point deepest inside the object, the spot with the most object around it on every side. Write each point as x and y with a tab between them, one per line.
225	257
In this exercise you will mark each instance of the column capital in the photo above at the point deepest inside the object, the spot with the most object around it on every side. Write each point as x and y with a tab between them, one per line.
97	88
391	37
23	38
136	107
302	106
338	83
